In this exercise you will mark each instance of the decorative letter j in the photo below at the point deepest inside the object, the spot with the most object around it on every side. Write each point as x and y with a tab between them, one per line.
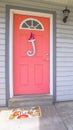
32	41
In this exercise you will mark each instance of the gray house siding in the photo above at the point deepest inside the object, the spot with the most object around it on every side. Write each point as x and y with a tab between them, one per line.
2	56
64	48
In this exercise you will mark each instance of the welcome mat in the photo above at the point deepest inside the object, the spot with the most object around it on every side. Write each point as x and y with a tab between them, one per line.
20	113
25	113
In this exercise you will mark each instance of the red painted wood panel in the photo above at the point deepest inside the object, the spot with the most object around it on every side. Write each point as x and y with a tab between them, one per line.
31	74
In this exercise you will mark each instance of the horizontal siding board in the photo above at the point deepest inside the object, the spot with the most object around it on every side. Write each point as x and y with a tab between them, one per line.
2	85
64	74
2	69
2	20
65	92
2	92
2	41
64	40
64	83
2	9
2	97
2	63
65	50
2	80
63	26
2	53
2	15
64	97
68	36
2	75
67	78
65	87
2	25
2	47
2	4
65	64
64	59
2	31
59	54
2	58
64	45
64	31
2	36
64	69
64	37
2	102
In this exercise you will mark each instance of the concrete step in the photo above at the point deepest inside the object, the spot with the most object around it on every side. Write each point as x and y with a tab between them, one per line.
28	100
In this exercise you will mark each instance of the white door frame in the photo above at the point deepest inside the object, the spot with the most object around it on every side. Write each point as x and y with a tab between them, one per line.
16	11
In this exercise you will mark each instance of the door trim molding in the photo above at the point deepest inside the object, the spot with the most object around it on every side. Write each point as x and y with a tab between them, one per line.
10	10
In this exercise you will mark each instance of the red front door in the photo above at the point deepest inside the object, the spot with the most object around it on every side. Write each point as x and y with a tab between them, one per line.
31	54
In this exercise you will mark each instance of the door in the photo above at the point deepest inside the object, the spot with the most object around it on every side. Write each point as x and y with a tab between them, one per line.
31	54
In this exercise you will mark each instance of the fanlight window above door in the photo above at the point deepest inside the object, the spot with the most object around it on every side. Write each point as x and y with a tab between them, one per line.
31	24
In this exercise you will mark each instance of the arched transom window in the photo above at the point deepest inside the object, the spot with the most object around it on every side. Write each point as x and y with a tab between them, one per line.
31	24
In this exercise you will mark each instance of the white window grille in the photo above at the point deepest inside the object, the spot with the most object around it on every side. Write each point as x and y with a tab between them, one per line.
31	24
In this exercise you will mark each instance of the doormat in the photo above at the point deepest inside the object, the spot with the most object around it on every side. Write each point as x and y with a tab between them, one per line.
24	113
